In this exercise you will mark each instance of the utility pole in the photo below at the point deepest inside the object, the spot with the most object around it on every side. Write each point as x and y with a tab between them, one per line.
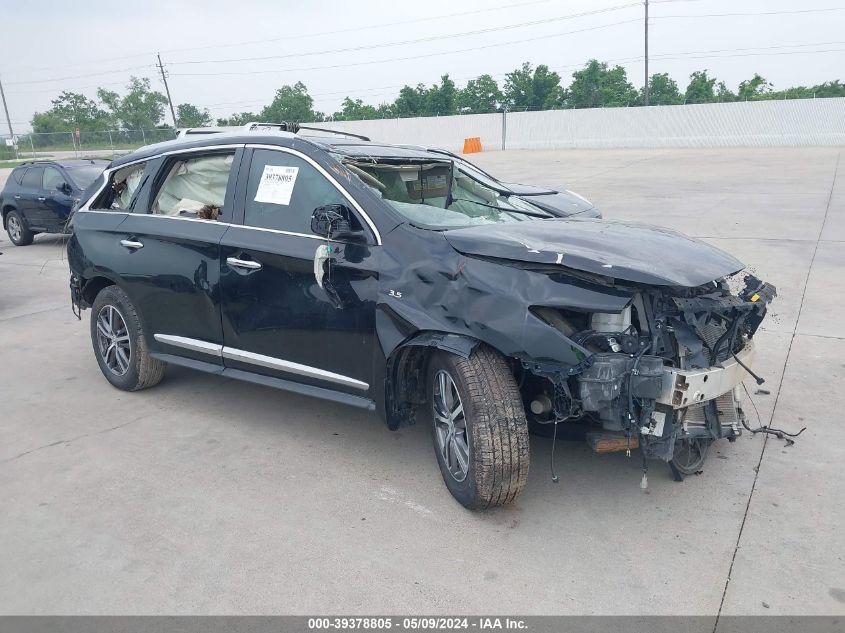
645	90
166	89
8	118
6	110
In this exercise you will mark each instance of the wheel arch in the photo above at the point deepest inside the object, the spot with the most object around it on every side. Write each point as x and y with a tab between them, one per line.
93	286
5	210
406	367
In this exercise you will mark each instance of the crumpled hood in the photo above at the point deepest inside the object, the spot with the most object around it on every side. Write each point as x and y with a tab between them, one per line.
635	252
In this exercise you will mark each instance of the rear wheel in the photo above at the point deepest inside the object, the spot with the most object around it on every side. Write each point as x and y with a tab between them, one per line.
479	429
19	233
119	346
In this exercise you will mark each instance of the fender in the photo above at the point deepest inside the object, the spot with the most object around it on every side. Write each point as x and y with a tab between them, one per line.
405	373
459	344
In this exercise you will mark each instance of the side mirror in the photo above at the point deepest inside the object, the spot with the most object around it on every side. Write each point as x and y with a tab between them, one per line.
65	189
334	221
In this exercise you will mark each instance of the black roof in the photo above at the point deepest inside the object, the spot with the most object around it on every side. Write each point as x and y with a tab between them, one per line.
339	145
207	140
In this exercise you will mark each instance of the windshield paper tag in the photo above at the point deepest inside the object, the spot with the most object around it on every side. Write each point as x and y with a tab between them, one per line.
276	186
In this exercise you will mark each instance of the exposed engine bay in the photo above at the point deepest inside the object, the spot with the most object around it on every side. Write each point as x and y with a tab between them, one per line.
664	374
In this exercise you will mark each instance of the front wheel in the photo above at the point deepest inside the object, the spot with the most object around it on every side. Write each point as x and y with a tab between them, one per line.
119	346
479	428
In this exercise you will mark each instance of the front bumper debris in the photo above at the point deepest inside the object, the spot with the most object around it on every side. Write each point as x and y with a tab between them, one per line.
686	387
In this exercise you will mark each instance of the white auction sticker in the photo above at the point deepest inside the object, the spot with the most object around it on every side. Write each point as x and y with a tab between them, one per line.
276	186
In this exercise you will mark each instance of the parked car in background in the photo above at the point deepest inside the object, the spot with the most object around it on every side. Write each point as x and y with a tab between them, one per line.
39	196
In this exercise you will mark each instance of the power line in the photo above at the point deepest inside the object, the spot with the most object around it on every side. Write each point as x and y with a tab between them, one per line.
96	74
408	58
755	14
289	37
431	38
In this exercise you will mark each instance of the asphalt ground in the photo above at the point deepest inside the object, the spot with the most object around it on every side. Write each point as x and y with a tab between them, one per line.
206	495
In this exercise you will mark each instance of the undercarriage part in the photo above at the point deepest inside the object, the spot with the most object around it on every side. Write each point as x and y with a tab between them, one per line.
612	441
688	456
603	387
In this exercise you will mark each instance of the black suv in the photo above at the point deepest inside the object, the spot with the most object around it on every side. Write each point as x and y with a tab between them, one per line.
398	280
38	196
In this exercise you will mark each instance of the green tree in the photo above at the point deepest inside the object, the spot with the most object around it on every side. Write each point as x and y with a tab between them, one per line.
662	90
755	88
480	96
355	110
700	88
440	100
291	104
240	118
829	89
410	102
597	86
71	110
533	89
723	93
189	115
140	108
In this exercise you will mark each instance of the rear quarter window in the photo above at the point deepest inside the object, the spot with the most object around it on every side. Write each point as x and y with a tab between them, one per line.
121	189
17	175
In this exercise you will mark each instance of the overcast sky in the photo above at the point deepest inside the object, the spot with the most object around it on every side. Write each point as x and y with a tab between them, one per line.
48	46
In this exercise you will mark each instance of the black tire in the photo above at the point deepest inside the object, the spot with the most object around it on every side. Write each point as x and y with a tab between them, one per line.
18	231
494	428
124	358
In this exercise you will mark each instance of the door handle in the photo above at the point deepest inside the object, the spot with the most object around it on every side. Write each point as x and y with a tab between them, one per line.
321	256
131	244
41	198
248	264
17	197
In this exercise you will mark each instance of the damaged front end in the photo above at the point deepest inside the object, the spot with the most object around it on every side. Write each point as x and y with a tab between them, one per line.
663	374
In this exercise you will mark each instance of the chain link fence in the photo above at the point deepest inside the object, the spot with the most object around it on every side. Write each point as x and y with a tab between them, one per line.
94	144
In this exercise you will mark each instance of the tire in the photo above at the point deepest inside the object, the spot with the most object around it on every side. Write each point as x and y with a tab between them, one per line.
119	345
19	233
488	430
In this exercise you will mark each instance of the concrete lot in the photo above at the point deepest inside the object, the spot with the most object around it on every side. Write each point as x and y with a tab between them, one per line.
211	496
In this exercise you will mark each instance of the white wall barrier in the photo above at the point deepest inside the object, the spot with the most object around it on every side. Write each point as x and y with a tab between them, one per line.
787	123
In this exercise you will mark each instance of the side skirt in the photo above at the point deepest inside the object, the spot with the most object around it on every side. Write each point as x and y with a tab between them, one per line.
269	381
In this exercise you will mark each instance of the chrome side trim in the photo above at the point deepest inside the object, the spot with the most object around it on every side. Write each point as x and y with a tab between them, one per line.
294	368
193	344
329	177
176	217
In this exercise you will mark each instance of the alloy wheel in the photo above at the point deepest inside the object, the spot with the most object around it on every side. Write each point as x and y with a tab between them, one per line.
113	340
14	227
450	428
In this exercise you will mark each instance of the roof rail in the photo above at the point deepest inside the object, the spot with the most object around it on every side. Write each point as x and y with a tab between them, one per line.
324	129
295	127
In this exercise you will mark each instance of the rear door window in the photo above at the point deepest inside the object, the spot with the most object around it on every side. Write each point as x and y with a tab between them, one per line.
283	190
32	178
195	187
